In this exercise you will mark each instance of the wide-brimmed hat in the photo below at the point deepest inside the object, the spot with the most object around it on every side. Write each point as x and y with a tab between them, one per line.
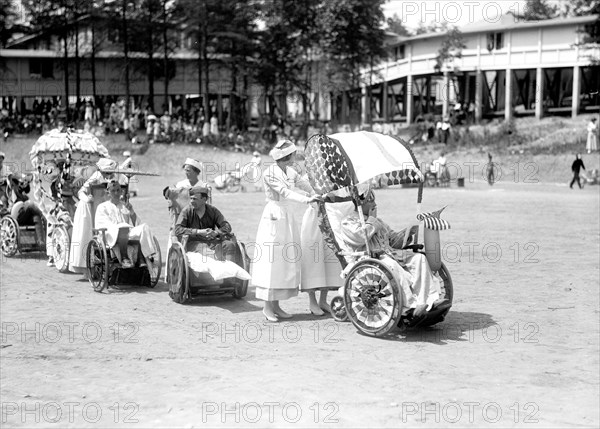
106	164
282	149
193	162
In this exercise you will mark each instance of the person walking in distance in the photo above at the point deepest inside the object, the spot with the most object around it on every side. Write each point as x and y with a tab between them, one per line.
490	171
576	168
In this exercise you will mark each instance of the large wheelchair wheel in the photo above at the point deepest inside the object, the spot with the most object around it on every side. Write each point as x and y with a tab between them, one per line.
9	234
372	298
97	264
240	291
156	265
61	243
177	277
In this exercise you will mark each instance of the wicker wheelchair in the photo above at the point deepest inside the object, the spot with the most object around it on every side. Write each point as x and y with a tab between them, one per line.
62	162
184	281
338	167
22	225
103	268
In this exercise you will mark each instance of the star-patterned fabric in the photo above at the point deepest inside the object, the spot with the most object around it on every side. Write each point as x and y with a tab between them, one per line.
348	159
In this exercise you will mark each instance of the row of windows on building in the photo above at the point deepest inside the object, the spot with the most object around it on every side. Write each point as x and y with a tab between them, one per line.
495	41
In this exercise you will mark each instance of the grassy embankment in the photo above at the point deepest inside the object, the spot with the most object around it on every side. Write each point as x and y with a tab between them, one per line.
527	151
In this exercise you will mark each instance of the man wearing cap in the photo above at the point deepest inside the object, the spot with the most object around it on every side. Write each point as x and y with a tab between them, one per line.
206	223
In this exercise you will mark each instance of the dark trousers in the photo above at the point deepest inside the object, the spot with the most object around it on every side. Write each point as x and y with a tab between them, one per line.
575	179
227	250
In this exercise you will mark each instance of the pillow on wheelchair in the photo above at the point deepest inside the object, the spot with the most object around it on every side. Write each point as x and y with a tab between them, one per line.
219	270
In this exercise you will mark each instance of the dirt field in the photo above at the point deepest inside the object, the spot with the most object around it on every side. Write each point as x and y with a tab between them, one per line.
520	346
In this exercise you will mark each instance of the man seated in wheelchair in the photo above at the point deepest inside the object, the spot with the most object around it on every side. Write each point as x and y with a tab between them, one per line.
123	224
419	287
21	208
209	232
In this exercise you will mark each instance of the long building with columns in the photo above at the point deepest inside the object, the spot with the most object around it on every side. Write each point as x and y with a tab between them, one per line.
508	68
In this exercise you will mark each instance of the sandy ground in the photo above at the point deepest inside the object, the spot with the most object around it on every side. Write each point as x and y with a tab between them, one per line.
520	346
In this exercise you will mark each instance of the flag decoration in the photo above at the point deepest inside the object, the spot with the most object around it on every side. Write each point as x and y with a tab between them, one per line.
343	160
432	220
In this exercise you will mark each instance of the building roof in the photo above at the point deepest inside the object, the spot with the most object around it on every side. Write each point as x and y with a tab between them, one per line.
507	22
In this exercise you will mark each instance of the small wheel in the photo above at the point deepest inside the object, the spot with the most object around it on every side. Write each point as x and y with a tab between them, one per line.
156	265
338	309
430	180
372	298
177	276
61	243
97	264
9	234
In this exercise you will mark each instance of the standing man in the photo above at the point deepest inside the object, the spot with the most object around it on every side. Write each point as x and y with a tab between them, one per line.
490	170
576	168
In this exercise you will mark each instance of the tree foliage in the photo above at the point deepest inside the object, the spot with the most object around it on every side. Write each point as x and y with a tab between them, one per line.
585	8
450	49
538	10
395	25
8	18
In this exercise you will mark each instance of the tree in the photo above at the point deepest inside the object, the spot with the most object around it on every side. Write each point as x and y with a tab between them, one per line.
538	10
8	18
432	27
279	57
352	41
450	49
586	8
395	25
591	33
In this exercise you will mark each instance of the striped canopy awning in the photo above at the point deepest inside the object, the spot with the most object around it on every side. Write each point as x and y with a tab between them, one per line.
337	163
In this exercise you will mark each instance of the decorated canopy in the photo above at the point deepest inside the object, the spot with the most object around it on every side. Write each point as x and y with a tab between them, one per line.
339	162
84	148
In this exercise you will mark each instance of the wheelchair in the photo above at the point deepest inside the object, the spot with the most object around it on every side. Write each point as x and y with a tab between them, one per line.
103	268
372	297
184	282
22	225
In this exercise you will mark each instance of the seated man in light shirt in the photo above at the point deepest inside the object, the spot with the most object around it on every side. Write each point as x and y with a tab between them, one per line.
120	220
